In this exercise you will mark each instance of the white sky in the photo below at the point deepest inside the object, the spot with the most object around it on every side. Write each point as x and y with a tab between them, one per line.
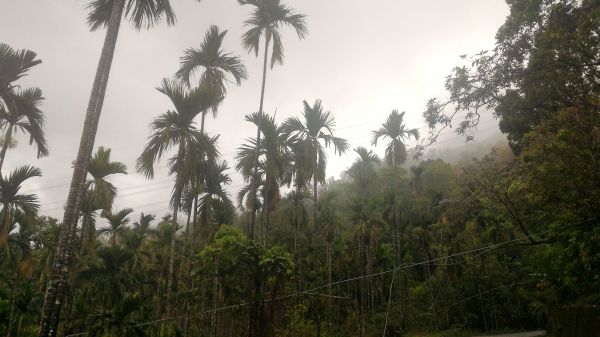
362	58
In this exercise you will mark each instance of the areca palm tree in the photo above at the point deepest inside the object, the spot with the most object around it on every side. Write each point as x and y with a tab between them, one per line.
142	226
109	14
317	132
22	113
117	224
19	109
214	204
178	128
396	131
363	168
19	255
266	21
274	160
12	200
100	193
14	64
216	65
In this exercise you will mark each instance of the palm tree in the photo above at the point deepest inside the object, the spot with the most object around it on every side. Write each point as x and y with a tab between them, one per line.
19	255
299	175
177	128
363	168
103	13
14	64
19	108
142	226
121	320
22	113
274	160
100	193
395	129
317	132
267	18
214	203
12	200
216	64
117	224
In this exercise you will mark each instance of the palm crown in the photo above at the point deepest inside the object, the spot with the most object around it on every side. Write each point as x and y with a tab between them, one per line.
267	17
216	63
19	108
141	13
317	131
12	200
395	129
176	127
117	223
363	168
100	167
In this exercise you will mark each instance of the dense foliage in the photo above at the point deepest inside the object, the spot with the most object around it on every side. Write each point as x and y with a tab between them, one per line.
387	248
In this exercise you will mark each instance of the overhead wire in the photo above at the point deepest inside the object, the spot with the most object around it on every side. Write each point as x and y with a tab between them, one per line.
313	290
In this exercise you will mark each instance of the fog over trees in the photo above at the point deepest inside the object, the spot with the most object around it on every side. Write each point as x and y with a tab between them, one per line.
476	214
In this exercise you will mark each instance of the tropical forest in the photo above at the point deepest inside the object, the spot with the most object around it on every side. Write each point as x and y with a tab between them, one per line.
248	168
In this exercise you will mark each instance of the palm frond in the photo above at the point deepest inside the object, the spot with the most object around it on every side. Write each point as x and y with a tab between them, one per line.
141	13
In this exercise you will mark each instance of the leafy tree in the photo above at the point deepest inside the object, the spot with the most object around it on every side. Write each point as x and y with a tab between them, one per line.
121	321
545	59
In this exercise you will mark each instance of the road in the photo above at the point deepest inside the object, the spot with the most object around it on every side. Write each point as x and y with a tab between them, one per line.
521	334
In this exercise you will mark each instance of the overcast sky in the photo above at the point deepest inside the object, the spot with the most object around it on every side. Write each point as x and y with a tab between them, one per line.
362	58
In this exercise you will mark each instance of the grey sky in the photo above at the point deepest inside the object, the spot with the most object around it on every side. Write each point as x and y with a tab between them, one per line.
362	58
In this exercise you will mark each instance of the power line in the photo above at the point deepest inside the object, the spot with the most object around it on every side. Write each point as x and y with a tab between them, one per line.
313	290
445	132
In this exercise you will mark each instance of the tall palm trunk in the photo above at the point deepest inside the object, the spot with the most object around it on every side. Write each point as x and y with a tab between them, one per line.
7	139
266	206
315	222
177	193
61	264
5	225
296	225
260	112
13	302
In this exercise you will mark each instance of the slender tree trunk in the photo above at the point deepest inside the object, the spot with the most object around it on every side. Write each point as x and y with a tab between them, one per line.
13	300
185	267
296	225
260	112
266	208
316	224
202	122
61	265
215	300
177	193
7	139
4	231
315	182
196	232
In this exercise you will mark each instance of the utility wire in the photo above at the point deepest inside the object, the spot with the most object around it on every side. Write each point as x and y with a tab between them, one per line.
315	289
